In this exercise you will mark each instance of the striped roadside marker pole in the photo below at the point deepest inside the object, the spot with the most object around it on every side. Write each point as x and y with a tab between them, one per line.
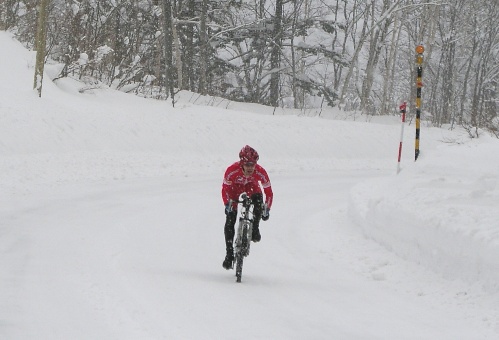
402	112
419	85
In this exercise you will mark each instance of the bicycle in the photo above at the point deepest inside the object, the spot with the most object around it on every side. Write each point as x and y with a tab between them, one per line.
244	233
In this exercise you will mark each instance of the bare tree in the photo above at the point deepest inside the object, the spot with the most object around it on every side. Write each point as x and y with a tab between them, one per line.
378	35
310	51
41	42
275	57
203	51
168	43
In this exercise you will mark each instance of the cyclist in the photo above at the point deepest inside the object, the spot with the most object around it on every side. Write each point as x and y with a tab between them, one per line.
249	177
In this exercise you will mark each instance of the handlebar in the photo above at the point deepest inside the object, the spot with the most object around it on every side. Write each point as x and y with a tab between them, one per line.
246	205
245	200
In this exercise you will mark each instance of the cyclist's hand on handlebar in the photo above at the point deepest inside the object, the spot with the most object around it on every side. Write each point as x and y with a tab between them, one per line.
266	213
228	208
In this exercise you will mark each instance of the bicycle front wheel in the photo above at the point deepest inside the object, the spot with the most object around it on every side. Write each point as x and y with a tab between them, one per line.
241	253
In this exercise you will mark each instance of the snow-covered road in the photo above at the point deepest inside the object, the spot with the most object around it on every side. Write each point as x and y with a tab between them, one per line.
142	259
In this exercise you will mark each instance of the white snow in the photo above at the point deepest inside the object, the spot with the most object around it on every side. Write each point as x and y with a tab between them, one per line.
111	220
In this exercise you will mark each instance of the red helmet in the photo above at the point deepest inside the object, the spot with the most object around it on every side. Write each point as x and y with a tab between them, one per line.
248	155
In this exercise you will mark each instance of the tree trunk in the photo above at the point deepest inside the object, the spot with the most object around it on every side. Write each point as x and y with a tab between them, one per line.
203	49
353	62
376	43
40	44
178	56
275	58
390	69
168	36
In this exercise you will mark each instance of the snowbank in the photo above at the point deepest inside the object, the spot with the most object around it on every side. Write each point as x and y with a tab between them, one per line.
442	211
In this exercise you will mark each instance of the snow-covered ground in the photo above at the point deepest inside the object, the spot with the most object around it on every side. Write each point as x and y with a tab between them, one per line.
111	221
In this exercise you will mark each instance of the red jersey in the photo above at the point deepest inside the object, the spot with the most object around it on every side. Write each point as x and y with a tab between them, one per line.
235	183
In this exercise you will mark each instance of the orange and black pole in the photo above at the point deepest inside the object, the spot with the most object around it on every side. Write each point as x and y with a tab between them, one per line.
419	85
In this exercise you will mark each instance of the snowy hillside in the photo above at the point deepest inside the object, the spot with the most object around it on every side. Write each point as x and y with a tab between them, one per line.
111	221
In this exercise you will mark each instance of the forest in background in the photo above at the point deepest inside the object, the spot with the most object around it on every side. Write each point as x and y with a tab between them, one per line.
352	54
